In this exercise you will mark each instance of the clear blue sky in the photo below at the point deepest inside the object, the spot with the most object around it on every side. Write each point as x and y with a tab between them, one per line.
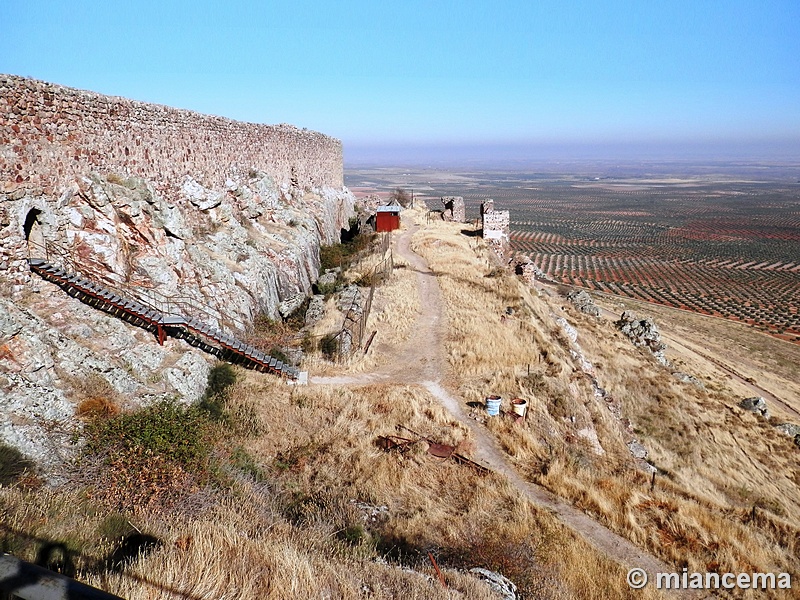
437	73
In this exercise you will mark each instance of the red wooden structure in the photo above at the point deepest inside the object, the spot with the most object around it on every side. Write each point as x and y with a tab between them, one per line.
387	218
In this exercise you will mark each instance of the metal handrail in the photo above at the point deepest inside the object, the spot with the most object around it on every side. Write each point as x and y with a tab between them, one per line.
177	304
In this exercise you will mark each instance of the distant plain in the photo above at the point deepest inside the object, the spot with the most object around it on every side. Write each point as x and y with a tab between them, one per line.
720	239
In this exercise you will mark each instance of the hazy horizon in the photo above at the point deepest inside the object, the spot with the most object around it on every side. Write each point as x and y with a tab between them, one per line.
432	82
516	155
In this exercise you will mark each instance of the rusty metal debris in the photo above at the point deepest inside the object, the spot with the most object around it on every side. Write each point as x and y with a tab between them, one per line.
403	445
438	572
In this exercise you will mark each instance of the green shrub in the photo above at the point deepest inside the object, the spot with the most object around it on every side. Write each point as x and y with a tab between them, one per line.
331	257
329	346
279	354
329	289
220	378
339	255
180	434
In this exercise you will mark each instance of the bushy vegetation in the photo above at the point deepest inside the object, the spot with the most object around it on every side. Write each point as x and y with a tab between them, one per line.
340	254
158	454
167	429
329	346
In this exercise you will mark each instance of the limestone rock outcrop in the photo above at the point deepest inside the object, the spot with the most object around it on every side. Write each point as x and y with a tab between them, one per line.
583	302
756	405
161	205
643	333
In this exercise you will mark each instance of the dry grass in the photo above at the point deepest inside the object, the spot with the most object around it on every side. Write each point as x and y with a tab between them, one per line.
301	530
716	461
290	517
395	307
766	360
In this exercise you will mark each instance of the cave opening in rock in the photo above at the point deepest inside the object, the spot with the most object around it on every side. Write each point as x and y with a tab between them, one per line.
33	232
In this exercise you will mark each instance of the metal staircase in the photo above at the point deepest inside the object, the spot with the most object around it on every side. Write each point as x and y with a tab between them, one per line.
161	322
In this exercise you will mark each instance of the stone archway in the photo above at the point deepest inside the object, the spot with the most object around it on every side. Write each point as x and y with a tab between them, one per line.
34	236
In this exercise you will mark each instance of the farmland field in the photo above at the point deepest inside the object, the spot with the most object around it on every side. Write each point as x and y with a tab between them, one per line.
722	246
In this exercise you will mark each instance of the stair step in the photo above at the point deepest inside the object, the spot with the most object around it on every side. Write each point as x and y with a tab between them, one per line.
223	345
173	320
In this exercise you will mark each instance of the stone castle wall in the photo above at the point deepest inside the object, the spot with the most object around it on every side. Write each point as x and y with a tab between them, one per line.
495	228
454	209
50	134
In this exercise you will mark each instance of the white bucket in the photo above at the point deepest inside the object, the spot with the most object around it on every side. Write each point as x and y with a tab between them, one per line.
519	406
493	405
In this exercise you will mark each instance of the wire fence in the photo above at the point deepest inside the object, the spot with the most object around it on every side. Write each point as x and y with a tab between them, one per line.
350	336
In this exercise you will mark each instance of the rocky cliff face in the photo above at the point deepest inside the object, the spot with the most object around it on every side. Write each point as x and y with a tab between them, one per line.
237	252
220	219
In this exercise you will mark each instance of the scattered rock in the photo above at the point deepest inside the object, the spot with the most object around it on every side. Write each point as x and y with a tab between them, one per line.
350	298
638	450
327	278
789	429
686	378
529	271
756	405
499	583
291	304
316	309
189	376
371	514
590	435
568	329
201	197
643	333
583	302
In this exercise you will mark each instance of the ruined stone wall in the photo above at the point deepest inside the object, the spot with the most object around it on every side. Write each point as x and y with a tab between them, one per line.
454	209
50	134
495	228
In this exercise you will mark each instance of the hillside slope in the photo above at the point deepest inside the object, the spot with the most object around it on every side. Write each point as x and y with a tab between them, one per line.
303	496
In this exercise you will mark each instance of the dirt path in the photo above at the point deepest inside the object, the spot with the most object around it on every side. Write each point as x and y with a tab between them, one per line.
421	362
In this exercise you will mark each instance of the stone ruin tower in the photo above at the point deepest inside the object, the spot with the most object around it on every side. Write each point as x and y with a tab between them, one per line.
453	209
495	225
